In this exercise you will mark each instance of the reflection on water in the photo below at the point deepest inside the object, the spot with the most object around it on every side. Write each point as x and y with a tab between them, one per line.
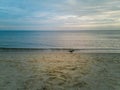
109	39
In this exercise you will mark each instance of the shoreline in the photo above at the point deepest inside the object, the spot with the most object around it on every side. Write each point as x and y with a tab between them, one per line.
65	50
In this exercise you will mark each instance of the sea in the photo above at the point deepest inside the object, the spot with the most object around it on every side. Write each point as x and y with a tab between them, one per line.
82	39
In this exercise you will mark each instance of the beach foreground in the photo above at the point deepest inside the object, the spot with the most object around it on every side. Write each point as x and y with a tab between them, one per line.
59	71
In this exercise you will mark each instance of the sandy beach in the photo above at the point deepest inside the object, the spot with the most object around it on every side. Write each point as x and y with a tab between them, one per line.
59	71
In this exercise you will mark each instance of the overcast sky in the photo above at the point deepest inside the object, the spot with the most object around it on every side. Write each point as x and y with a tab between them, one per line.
59	14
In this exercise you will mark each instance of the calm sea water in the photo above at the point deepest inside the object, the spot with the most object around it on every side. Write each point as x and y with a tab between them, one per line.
109	39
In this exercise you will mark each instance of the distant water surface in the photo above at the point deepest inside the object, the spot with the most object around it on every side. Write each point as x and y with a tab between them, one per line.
102	39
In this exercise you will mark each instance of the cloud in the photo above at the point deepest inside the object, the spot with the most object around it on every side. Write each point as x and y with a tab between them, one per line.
63	14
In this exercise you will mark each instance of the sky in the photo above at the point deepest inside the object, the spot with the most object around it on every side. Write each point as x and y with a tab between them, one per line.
59	14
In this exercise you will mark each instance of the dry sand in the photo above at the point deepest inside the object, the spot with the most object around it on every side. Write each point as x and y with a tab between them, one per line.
59	71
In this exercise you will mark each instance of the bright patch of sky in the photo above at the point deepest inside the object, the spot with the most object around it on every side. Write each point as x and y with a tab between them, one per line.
59	14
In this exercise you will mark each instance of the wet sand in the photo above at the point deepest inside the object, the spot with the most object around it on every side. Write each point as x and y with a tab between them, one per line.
59	71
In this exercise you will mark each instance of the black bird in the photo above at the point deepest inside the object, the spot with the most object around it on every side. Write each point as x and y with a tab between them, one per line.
71	51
